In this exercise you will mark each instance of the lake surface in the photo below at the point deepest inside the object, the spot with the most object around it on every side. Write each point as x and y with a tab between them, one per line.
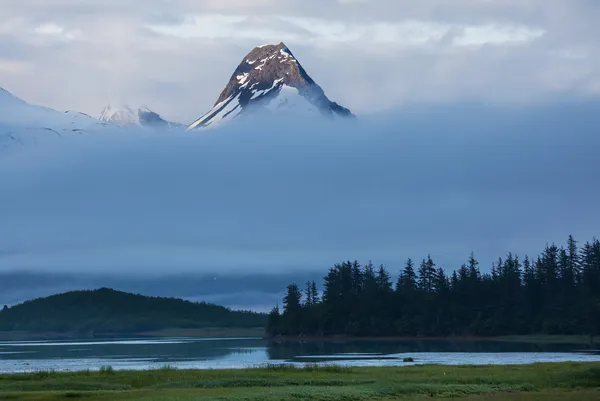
218	353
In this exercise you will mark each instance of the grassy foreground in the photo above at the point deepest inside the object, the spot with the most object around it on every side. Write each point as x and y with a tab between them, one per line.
569	381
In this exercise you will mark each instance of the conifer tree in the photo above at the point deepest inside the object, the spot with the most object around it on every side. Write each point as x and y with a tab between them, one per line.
314	293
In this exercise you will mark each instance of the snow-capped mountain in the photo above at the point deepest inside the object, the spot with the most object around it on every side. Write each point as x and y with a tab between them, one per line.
23	123
17	112
270	78
125	116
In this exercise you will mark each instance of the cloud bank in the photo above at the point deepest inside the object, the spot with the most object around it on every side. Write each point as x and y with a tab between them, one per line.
286	195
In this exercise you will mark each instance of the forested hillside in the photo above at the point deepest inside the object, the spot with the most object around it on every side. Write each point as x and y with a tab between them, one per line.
558	292
110	311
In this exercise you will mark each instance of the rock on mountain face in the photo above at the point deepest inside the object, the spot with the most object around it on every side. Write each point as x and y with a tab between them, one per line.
124	115
271	78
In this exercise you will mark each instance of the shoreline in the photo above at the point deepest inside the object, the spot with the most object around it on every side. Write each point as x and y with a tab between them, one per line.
258	333
532	339
211	332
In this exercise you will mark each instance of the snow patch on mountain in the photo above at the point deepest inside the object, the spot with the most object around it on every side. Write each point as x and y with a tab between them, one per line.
290	98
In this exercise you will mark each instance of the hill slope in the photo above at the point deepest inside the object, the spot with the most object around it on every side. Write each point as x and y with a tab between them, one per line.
22	123
110	311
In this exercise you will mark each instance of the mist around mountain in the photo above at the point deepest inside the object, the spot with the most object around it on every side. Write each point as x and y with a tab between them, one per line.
162	213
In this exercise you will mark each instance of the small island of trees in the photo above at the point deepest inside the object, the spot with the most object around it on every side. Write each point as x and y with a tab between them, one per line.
106	310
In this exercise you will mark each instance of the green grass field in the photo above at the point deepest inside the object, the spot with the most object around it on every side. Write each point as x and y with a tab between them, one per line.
568	381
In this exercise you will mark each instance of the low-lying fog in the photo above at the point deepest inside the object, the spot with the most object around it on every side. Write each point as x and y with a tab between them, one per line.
179	213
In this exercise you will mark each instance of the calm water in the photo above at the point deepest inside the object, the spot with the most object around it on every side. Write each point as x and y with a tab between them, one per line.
214	353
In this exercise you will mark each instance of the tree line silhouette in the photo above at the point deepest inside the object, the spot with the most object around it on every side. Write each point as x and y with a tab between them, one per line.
556	293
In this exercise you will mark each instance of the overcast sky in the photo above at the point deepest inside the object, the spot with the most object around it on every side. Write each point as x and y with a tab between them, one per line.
371	56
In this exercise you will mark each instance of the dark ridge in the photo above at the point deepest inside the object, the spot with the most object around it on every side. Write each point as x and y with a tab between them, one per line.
109	311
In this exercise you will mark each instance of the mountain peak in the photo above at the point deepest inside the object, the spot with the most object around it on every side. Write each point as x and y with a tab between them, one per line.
124	115
264	65
269	77
119	113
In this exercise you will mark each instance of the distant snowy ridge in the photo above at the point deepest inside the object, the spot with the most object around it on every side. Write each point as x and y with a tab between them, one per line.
270	79
22	123
121	115
125	116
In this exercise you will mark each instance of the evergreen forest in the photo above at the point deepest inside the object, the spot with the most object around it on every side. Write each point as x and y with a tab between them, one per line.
557	292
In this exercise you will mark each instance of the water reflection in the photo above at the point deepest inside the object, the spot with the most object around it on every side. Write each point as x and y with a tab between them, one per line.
217	353
291	350
175	349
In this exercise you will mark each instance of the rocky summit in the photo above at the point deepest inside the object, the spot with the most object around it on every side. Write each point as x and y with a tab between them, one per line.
270	78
